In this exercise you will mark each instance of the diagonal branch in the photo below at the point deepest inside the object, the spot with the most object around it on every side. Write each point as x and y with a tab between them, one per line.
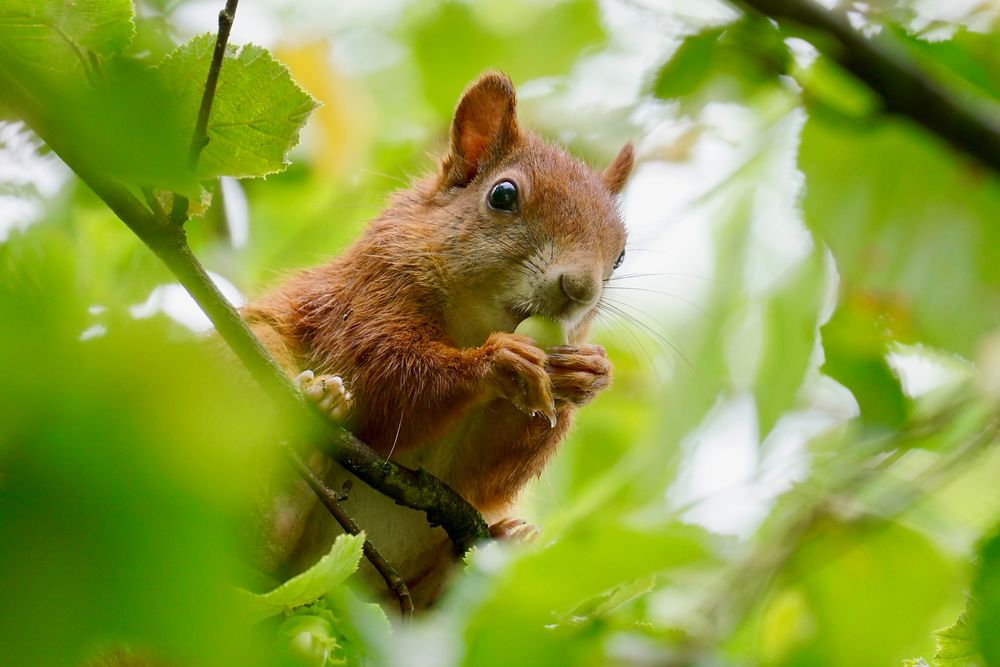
905	88
416	489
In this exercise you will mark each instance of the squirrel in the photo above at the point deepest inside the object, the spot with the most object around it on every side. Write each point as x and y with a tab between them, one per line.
407	337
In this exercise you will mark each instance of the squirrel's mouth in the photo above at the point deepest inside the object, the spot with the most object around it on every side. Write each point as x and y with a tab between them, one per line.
520	312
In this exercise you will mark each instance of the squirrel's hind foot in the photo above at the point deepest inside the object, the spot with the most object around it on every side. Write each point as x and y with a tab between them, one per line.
327	392
514	530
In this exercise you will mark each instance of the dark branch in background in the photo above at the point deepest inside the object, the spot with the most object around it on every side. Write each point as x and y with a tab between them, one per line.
199	139
331	500
904	87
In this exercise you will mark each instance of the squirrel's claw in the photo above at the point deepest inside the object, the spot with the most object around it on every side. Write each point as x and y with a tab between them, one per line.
578	374
327	392
518	374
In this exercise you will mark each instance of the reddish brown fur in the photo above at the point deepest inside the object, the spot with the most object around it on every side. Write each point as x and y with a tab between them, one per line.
416	316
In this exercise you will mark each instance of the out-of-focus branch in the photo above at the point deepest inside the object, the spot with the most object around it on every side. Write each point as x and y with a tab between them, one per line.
905	88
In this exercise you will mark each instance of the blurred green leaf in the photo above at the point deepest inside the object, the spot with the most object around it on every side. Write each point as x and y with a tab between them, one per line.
967	57
858	583
826	82
329	572
60	35
790	333
956	645
690	66
855	342
986	592
731	61
454	43
534	598
257	113
883	196
126	464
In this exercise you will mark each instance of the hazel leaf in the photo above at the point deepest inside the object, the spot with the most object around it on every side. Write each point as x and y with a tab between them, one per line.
257	112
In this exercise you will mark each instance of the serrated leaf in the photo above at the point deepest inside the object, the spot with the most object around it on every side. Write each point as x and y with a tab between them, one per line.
58	34
330	571
955	644
257	113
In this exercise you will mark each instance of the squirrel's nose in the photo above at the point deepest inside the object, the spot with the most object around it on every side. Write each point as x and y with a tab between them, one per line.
580	288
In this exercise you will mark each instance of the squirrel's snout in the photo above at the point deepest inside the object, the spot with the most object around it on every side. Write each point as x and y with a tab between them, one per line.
581	288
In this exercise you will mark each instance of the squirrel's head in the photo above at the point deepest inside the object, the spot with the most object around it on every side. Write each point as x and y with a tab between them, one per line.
528	228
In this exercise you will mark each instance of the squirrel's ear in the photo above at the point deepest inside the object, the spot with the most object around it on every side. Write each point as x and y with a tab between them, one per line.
618	171
483	130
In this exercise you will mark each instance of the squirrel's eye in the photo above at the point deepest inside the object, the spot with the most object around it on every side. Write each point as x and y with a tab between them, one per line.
503	196
618	262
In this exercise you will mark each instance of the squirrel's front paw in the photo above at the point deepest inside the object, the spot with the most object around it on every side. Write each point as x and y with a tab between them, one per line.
518	374
578	373
327	392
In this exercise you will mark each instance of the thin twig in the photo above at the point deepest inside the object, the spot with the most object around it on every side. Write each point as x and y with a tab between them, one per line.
969	125
331	501
199	139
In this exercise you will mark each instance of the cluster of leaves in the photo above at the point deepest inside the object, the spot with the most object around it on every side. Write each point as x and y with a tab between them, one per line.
129	456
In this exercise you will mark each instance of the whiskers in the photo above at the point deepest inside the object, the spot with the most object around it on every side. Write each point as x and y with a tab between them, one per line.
646	335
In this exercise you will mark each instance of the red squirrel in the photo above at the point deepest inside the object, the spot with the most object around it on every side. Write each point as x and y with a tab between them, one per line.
407	337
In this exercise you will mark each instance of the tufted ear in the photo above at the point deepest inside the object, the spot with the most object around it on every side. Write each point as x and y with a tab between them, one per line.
618	171
483	131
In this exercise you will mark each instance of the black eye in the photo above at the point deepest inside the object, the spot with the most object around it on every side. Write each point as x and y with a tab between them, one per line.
618	262
503	196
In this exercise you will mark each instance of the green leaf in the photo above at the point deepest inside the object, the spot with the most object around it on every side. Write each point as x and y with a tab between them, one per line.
860	584
985	618
855	342
968	58
60	34
458	41
257	113
883	197
329	572
791	327
585	569
956	645
730	62
689	67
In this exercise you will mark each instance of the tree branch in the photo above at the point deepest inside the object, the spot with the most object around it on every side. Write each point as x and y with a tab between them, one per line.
199	138
905	88
330	499
416	489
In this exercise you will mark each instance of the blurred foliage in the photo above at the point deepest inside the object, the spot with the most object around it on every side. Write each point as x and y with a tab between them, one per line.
795	466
